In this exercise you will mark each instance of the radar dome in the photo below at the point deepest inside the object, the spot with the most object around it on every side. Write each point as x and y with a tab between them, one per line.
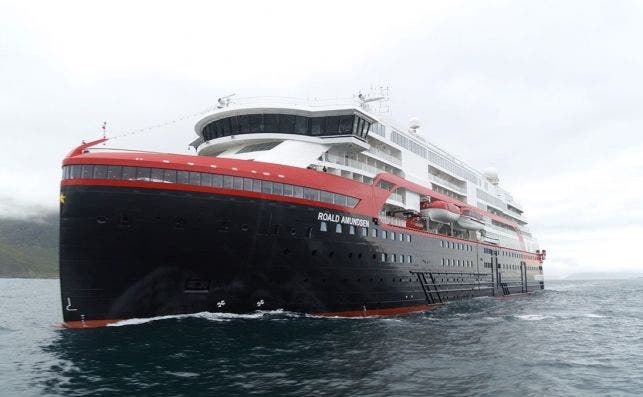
491	173
414	123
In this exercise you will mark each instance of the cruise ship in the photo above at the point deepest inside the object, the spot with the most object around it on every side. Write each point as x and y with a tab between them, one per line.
324	208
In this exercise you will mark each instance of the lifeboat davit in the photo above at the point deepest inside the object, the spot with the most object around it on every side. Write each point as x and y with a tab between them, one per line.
471	220
440	211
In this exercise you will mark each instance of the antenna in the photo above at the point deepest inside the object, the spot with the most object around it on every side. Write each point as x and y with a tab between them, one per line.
104	127
379	95
224	101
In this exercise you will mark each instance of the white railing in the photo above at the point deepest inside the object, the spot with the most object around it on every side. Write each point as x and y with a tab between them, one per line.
331	158
389	220
385	155
446	184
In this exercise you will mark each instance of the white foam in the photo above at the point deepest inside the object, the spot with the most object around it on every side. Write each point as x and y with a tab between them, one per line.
207	316
532	317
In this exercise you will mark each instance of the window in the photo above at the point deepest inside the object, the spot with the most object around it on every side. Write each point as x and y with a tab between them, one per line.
384	234
157	175
383	256
195	178
408	238
143	174
364	231
326	197
441	243
169	176
393	259
87	171
298	191
351	202
351	229
373	232
311	194
340	199
323	226
183	177
401	258
400	236
113	172
237	183
392	235
410	259
346	124
266	187
217	180
278	188
247	184
227	182
338	228
288	191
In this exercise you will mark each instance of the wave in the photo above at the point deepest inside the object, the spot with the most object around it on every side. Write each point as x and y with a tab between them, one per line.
208	316
532	317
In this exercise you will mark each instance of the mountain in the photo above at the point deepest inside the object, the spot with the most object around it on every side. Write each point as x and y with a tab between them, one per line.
29	246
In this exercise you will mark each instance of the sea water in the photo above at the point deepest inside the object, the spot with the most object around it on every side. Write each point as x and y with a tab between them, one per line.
575	338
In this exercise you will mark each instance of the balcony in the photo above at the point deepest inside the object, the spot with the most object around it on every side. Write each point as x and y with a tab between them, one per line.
385	156
447	185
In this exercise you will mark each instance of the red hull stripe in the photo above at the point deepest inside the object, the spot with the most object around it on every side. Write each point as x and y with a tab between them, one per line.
380	312
88	323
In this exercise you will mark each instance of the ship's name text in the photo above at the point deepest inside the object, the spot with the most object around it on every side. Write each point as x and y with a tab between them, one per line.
347	220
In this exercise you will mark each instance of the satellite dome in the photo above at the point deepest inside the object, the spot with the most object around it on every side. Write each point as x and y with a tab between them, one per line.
491	173
414	123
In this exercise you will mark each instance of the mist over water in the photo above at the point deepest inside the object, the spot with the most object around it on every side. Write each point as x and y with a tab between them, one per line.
574	338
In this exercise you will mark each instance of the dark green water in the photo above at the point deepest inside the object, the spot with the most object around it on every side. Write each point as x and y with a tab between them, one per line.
575	338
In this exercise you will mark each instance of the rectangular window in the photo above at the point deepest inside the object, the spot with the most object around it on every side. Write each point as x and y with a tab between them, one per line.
76	171
383	256
339	199
237	182
113	172
227	182
443	261
143	173
400	236
286	124
323	226
301	125
278	188
364	231
332	125
288	190
392	235
183	177
410	259
346	124
441	243
157	175
271	123
326	197
244	124
256	123
311	194
247	184
217	180
384	234
351	229
408	238
373	232
338	228
195	178
128	173
256	185
393	258
169	176
87	171
206	179
351	202
266	187
100	171
316	125
298	191
402	258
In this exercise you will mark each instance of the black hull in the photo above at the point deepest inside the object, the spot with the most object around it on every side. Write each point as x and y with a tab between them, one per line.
134	252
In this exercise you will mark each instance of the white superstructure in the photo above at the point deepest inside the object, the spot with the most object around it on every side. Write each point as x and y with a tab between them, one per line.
359	144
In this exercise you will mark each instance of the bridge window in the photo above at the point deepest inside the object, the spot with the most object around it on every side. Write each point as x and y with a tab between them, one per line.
338	228
323	226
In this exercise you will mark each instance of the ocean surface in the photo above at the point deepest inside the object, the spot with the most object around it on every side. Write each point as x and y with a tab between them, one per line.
576	338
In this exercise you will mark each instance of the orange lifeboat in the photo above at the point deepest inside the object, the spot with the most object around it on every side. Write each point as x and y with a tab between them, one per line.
440	211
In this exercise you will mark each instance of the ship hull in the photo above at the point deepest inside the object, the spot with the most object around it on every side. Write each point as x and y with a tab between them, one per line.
130	252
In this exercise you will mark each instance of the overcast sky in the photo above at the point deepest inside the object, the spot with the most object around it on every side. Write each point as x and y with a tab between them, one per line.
551	93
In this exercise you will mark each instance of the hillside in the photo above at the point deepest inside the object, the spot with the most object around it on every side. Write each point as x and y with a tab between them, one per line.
29	247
